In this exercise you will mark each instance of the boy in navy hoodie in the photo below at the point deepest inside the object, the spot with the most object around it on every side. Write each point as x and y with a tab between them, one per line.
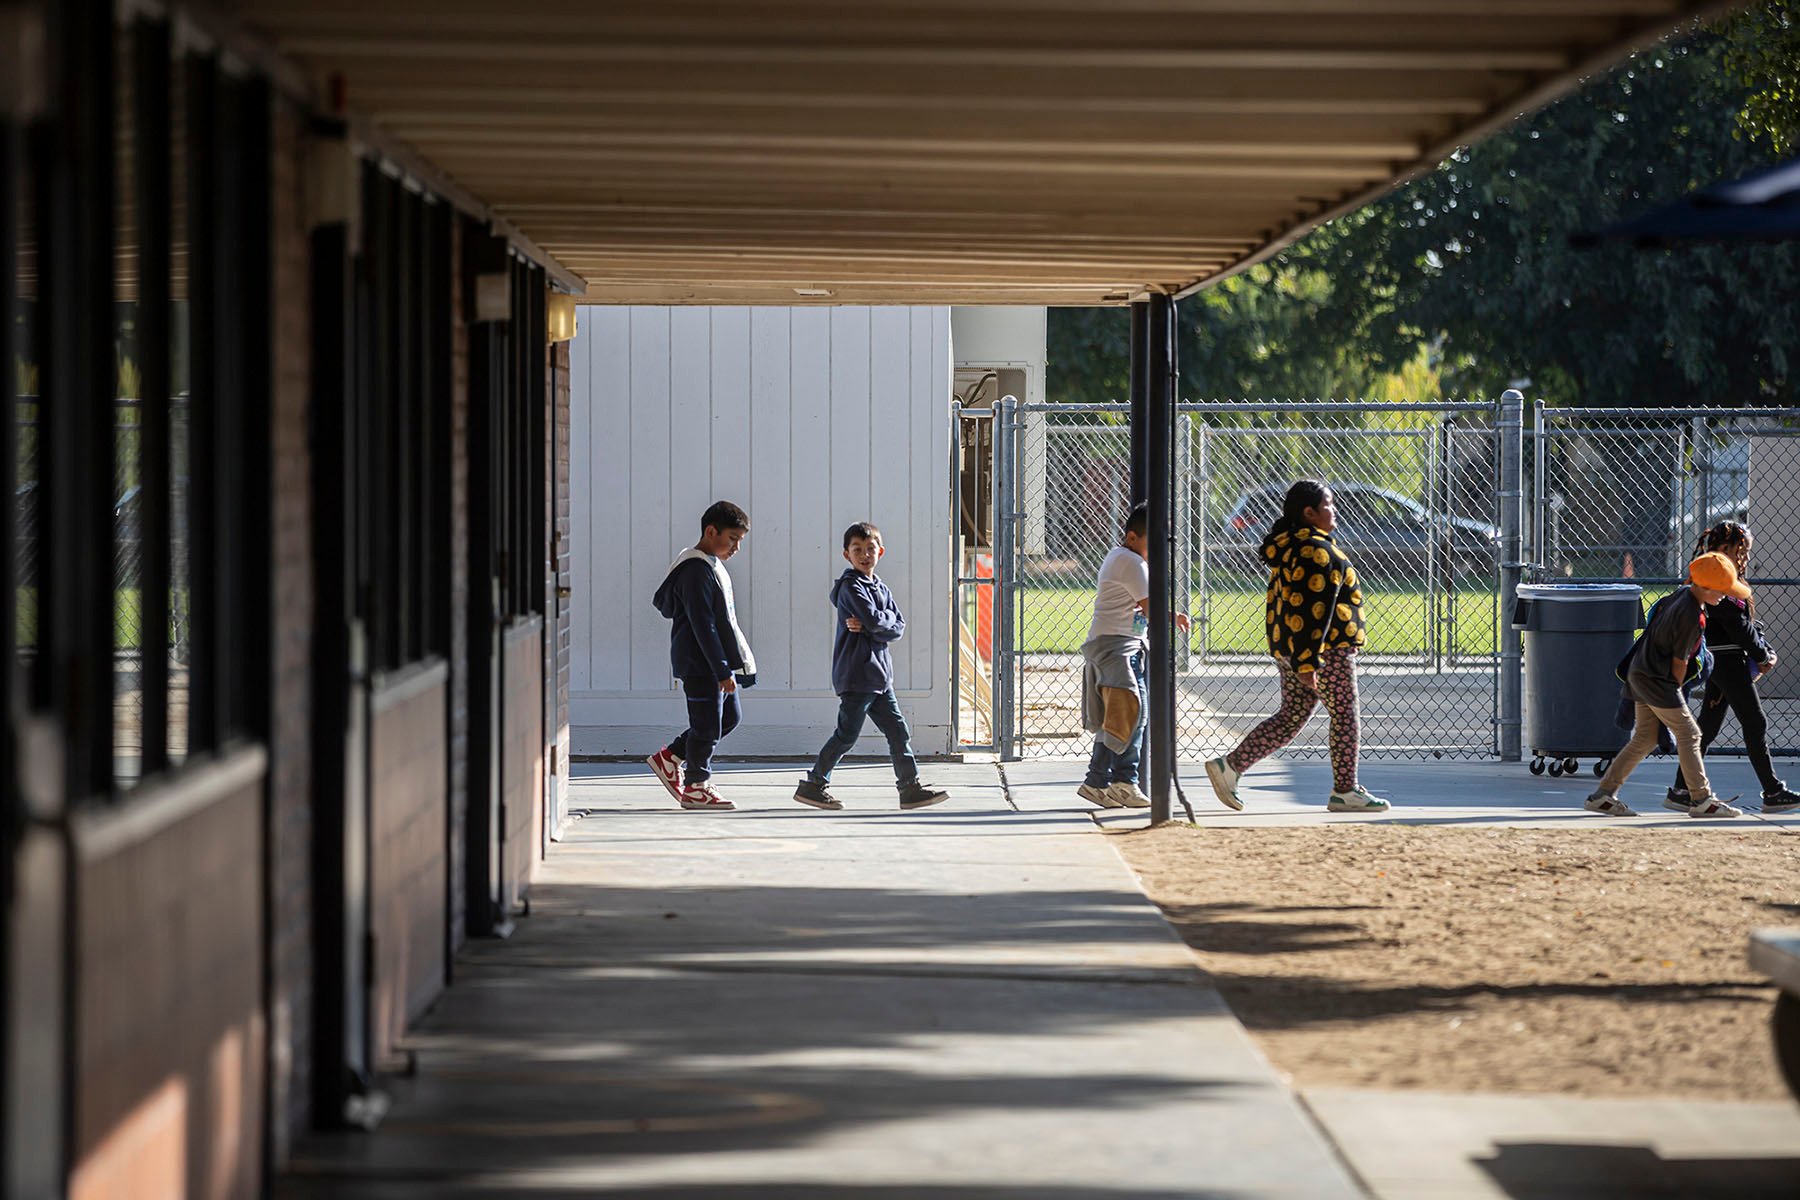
862	674
709	654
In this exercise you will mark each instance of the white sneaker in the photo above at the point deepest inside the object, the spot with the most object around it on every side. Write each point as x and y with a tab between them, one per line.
1357	799
1127	795
1608	805
1715	808
1099	796
1224	782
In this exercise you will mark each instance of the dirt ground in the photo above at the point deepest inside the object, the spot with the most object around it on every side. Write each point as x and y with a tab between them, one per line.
1593	962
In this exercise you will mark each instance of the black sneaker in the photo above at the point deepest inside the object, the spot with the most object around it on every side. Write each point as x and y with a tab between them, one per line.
1780	800
919	795
817	795
1679	800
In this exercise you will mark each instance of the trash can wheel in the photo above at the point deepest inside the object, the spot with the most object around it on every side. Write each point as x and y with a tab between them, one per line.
1556	768
1571	765
1786	1028
1602	767
1537	765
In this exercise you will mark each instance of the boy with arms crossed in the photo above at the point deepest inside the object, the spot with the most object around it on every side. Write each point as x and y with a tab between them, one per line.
862	674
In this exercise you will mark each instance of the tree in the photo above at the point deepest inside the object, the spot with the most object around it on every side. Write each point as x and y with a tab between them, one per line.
1762	52
1470	265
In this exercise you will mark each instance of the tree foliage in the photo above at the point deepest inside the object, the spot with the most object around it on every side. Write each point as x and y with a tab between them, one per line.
1762	52
1464	279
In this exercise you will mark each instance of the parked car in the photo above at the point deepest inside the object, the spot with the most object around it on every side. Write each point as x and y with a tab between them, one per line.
1384	531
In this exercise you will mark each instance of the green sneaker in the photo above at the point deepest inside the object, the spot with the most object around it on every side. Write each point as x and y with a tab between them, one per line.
1358	799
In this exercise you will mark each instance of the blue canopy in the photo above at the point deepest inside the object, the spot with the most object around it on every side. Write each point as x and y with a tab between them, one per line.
1764	207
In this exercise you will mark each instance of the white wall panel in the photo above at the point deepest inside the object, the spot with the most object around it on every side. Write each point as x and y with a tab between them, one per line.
599	495
812	418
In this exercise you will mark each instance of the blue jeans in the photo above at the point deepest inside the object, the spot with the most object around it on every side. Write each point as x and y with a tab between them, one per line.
1104	766
711	715
884	710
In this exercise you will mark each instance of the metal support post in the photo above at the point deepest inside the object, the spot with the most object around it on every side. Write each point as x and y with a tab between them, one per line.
1140	382
1510	427
1159	443
1006	416
956	576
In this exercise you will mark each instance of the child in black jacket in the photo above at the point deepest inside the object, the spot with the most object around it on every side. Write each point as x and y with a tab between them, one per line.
708	652
1741	656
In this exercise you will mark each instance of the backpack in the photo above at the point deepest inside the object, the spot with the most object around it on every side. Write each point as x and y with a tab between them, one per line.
1700	663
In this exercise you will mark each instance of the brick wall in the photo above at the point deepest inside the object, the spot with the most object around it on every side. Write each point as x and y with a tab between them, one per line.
290	760
168	1028
408	822
458	714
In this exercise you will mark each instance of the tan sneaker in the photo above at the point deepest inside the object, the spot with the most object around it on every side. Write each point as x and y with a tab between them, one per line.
700	796
1127	795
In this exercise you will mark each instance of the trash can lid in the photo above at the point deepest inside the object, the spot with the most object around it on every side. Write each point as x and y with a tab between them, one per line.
1576	593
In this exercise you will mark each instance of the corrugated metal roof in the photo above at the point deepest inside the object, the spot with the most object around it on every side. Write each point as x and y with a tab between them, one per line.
938	151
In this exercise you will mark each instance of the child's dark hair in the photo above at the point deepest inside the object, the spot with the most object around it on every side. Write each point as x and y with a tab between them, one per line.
1302	494
864	530
1727	538
1138	519
723	515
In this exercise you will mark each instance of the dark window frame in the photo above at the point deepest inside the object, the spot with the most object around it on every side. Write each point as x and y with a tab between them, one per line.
402	367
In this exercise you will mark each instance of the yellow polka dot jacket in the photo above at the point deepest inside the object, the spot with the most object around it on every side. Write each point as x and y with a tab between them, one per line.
1314	602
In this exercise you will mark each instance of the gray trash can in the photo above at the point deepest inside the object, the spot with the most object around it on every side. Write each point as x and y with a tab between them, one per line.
1575	635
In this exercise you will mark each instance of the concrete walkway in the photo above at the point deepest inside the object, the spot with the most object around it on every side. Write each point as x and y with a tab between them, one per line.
969	1002
1282	792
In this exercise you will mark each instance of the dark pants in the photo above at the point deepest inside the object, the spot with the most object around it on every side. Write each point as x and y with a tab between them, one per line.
1731	685
1104	766
884	710
711	715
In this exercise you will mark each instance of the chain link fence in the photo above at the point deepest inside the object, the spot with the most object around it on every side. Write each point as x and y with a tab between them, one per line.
1623	495
1415	494
129	549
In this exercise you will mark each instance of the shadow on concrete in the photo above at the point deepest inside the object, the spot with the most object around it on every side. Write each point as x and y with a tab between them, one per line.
1548	1171
630	1025
298	1188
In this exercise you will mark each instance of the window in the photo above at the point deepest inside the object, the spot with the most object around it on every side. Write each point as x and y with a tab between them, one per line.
402	364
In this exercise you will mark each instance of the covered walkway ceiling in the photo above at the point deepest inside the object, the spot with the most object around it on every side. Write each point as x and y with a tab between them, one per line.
938	151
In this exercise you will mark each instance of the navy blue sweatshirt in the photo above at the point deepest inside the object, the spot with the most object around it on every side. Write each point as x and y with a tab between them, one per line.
860	661
700	643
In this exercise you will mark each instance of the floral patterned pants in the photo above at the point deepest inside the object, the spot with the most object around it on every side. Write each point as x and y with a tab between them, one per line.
1337	687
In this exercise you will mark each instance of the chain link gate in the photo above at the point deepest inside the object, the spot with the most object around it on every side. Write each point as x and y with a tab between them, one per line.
1622	495
1415	487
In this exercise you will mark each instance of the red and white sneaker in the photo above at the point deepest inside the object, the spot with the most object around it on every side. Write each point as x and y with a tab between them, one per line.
668	771
701	796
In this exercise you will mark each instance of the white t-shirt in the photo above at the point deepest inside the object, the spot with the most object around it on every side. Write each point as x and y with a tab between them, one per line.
1124	580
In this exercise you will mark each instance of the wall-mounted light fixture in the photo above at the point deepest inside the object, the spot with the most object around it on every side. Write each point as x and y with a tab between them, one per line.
559	316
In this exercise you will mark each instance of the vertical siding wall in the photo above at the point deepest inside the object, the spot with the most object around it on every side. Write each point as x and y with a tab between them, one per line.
811	418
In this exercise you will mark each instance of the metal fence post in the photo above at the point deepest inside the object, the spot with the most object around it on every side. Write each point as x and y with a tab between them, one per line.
1006	411
1510	424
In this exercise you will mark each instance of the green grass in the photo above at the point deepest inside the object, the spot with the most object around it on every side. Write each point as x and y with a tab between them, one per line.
1055	621
128	617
